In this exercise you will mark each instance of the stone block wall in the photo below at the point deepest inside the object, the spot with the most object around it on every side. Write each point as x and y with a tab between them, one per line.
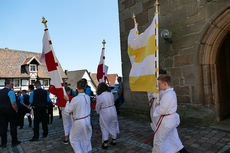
188	20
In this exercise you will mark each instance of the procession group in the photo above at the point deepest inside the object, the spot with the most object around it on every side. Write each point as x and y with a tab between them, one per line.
76	115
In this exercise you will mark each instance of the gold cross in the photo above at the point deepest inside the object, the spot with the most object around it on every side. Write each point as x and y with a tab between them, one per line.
157	3
103	42
44	21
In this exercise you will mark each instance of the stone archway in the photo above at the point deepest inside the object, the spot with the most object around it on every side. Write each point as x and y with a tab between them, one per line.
210	48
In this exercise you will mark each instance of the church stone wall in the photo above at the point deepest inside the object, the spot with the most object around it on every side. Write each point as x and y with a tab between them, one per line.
188	20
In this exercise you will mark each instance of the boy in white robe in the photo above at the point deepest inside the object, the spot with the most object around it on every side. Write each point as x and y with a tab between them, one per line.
107	114
166	139
152	103
66	117
81	131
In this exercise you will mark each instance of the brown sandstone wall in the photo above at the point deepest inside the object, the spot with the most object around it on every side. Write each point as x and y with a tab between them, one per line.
188	20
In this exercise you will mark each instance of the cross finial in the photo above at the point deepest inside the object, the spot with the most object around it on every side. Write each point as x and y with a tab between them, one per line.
103	42
44	21
157	3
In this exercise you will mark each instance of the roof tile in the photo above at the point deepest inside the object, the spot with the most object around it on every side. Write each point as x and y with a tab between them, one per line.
11	61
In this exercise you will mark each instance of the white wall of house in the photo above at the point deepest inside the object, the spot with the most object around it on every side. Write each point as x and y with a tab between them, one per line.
116	82
89	81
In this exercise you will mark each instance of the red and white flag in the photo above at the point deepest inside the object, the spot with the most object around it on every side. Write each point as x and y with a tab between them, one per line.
56	84
102	69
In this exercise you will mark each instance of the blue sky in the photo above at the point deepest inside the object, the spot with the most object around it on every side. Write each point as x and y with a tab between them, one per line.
76	27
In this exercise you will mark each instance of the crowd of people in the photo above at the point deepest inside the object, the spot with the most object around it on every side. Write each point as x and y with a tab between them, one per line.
76	115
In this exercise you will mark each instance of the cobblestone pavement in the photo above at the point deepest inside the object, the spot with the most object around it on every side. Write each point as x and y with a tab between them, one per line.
133	133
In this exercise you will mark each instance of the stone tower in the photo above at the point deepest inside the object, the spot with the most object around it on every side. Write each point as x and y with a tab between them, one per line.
198	59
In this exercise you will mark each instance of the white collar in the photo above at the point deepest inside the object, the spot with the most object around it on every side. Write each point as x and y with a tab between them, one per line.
169	89
81	93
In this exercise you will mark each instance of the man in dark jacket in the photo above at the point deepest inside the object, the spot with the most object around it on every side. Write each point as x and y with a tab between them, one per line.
39	99
19	106
8	110
25	104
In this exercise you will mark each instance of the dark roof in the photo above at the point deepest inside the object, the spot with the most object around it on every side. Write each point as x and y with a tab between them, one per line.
30	59
27	60
74	77
12	60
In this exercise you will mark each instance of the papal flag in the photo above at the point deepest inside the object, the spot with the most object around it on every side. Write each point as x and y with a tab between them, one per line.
56	83
142	54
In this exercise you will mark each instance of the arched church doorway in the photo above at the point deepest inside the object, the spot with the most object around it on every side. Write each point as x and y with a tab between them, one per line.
223	77
215	65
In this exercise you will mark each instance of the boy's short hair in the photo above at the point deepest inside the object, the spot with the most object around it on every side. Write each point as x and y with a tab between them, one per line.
37	82
85	81
165	78
81	84
31	87
67	89
8	81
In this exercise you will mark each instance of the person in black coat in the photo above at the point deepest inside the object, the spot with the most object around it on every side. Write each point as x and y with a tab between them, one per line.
19	106
39	100
8	113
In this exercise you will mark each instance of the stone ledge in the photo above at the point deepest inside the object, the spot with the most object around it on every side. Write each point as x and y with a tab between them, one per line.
195	115
135	111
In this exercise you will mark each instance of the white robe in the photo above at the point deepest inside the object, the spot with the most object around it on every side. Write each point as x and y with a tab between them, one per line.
67	120
107	115
166	139
81	131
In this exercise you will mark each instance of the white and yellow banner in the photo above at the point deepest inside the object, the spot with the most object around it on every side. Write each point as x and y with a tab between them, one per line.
142	53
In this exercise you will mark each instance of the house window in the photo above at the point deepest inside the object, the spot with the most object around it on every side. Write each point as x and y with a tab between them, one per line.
46	82
33	68
41	81
16	83
2	82
25	82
